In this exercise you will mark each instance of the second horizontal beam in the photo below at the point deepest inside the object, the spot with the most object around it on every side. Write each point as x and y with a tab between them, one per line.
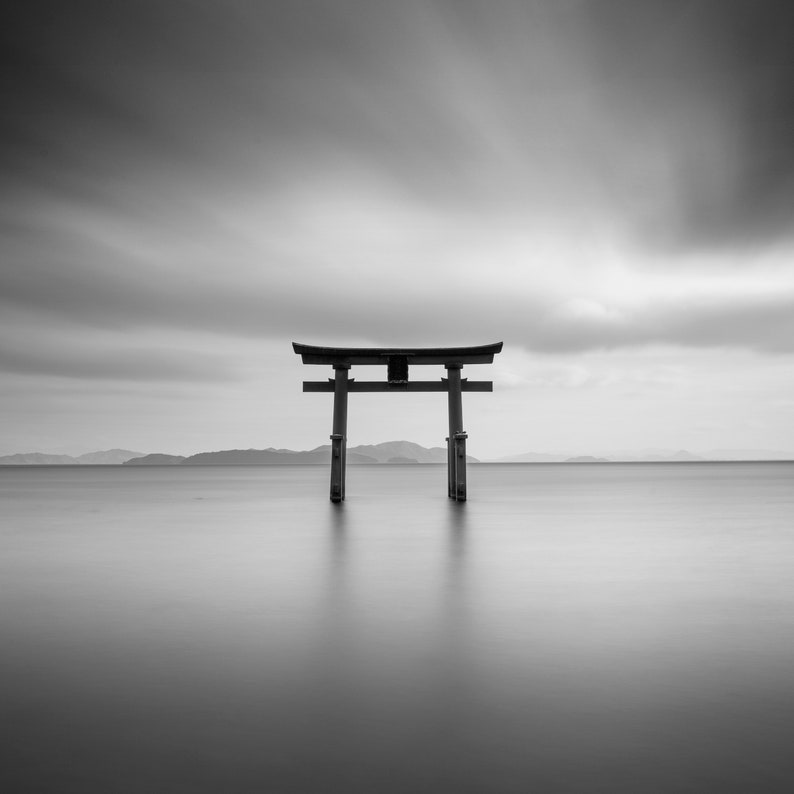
385	386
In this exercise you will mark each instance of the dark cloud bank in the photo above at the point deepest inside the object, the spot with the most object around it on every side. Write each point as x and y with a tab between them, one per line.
672	119
98	90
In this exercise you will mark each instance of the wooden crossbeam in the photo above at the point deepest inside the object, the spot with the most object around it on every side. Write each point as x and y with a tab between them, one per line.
412	386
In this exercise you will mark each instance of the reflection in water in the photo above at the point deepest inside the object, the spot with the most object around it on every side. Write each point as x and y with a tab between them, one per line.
392	668
454	593
568	629
337	559
457	525
335	608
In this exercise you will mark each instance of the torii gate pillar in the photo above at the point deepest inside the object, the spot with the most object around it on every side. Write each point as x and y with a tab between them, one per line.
456	442
397	361
339	433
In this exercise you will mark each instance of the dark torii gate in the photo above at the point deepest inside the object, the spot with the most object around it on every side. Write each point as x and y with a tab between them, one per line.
397	361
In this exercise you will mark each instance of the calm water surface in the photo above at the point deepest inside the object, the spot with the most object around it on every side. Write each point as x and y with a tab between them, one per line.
591	628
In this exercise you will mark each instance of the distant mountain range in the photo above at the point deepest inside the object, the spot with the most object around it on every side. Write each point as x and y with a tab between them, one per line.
649	456
108	457
388	452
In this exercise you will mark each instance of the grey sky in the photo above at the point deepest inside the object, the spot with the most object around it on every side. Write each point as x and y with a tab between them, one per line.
188	186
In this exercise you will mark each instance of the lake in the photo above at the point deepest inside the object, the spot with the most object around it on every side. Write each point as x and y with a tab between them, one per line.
571	628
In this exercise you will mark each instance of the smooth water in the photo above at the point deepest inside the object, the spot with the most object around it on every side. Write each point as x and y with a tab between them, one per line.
571	628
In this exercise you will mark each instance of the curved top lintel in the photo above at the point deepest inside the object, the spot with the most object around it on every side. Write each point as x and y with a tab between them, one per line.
313	354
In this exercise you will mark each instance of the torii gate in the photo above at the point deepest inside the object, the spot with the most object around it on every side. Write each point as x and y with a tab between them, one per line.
397	361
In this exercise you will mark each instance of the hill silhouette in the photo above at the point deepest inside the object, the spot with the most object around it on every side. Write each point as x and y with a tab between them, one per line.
104	458
365	454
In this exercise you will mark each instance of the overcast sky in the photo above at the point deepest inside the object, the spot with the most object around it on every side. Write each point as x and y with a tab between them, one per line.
187	187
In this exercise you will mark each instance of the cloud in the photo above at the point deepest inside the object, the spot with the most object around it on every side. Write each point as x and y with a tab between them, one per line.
706	90
67	352
407	277
414	173
764	323
671	118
